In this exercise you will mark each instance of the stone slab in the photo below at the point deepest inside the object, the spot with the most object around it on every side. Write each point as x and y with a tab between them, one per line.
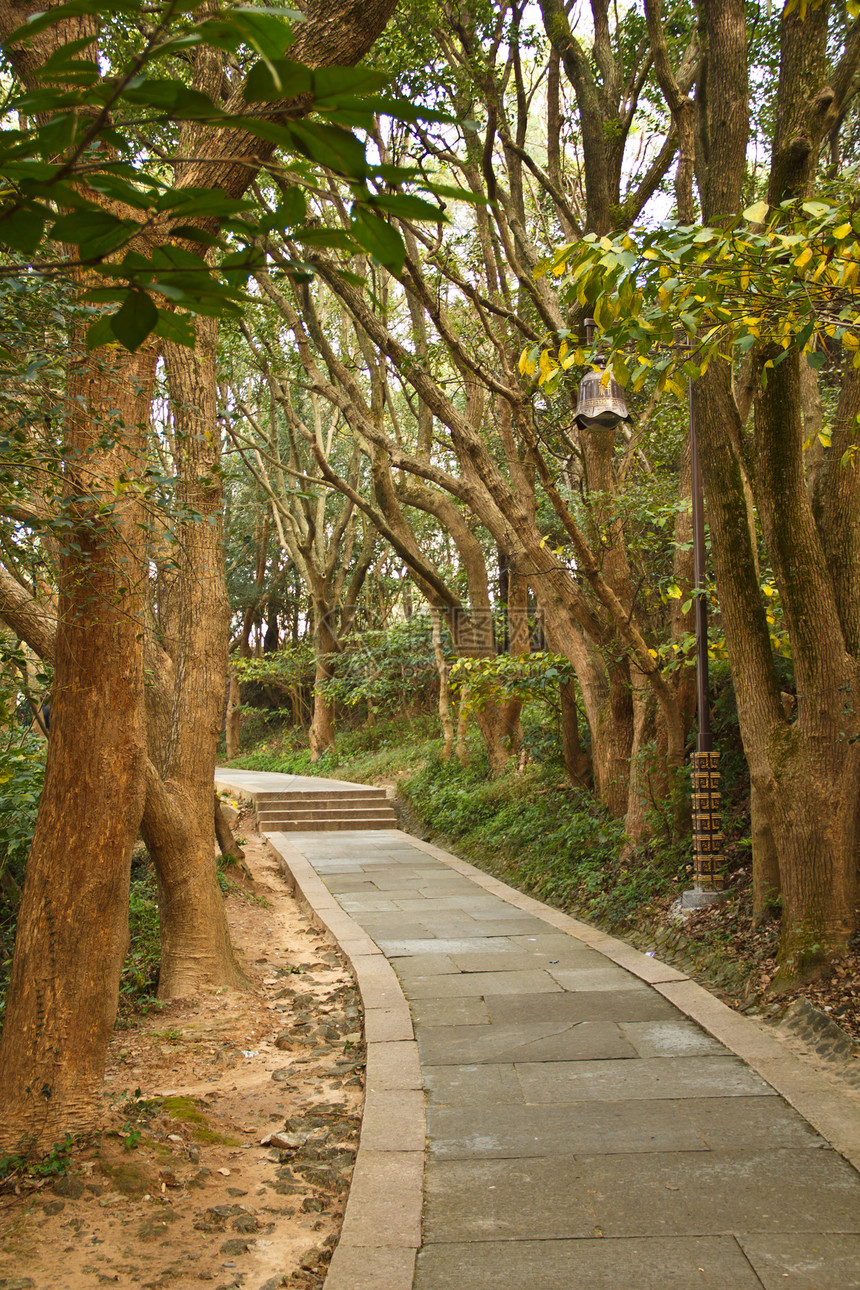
384	1202
649	1077
387	1024
393	1065
706	1263
465	925
605	977
393	1120
481	983
807	1262
491	960
472	1085
654	1194
402	947
756	1123
367	905
465	1011
670	1039
596	1005
536	1041
506	1132
421	965
365	1268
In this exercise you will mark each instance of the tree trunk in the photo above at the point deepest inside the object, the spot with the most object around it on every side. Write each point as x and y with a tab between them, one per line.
232	723
577	762
322	721
461	747
224	834
444	687
765	861
72	927
179	827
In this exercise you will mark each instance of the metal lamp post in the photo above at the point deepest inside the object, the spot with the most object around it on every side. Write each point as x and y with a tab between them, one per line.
707	814
602	406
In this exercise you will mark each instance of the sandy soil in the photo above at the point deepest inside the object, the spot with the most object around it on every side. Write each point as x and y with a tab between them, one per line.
185	1184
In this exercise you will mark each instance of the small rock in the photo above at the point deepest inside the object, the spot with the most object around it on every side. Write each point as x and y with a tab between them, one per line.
54	1207
245	1223
285	1141
70	1188
286	1043
17	1283
281	1075
237	1245
174	1137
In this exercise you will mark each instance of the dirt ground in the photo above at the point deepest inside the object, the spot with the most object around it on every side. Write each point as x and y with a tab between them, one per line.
231	1126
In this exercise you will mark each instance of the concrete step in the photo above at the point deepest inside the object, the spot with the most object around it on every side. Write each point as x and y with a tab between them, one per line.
313	819
322	795
327	825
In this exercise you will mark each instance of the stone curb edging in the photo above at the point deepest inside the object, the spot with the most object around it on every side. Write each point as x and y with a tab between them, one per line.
381	1230
827	1108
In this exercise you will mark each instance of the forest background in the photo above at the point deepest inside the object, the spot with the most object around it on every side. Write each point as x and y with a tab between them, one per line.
292	314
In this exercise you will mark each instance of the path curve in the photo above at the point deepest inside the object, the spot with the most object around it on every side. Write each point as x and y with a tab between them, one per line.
625	1147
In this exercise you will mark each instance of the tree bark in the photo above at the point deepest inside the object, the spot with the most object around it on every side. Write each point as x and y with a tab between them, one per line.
444	687
72	927
178	825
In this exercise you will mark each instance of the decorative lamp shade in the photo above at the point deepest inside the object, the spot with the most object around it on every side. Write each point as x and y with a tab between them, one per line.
600	406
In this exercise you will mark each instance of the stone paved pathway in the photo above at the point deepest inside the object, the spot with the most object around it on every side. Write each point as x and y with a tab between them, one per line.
581	1131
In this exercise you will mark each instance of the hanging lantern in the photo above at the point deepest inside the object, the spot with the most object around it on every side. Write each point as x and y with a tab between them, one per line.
601	404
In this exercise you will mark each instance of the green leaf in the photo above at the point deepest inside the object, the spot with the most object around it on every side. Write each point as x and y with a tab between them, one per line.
22	230
100	333
329	145
326	237
408	207
177	328
95	232
291	210
816	359
333	83
269	81
381	240
135	320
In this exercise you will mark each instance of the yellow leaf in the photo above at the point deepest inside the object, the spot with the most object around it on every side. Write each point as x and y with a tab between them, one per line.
562	350
804	258
843	230
757	214
850	341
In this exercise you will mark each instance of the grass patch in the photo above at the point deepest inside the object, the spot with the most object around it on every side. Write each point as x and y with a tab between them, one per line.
186	1111
387	750
540	834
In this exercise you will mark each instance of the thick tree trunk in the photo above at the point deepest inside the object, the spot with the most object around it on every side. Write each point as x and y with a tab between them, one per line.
765	860
72	928
179	827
